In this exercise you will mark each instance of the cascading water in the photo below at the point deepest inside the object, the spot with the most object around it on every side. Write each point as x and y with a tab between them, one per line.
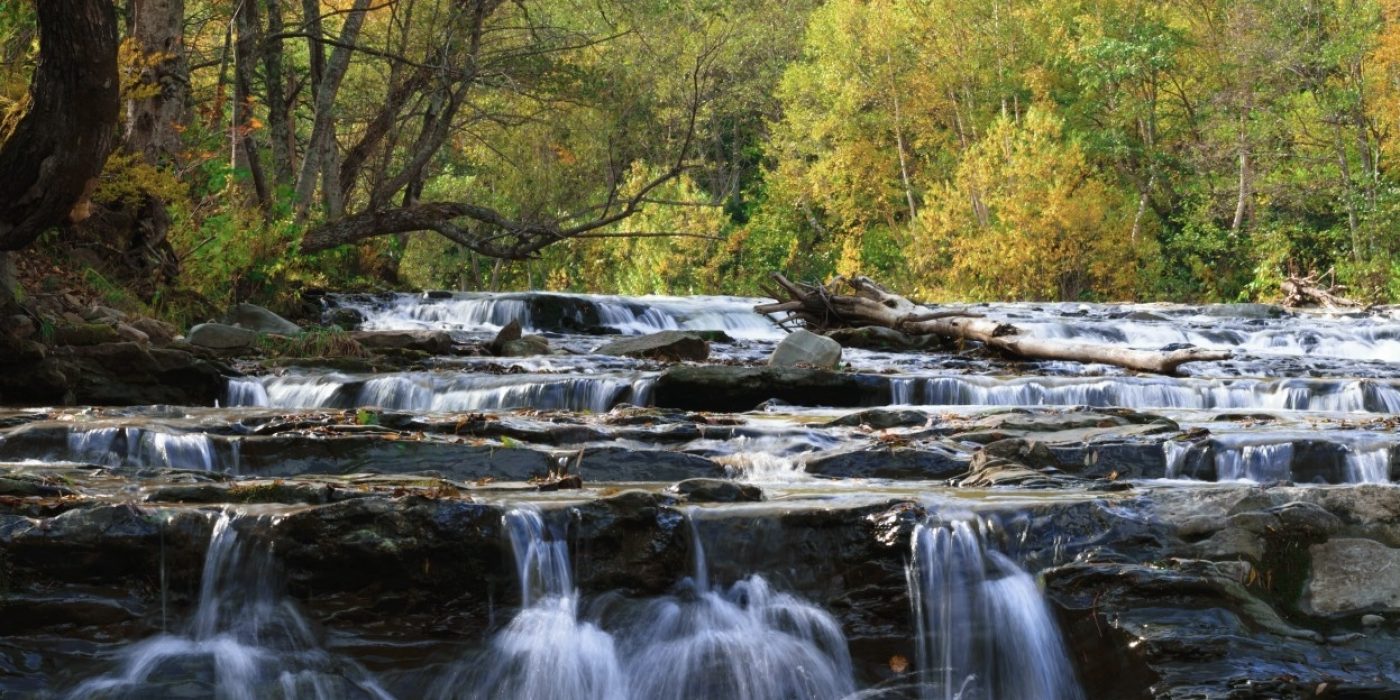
746	643
1258	463
449	391
545	652
565	312
984	630
246	641
137	447
1161	392
1368	464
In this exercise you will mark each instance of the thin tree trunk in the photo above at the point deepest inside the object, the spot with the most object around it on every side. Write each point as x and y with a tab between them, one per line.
279	121
245	146
320	152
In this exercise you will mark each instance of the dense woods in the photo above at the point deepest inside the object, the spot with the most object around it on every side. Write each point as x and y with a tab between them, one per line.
1060	149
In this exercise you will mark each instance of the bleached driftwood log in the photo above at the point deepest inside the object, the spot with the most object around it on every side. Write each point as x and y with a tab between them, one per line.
820	308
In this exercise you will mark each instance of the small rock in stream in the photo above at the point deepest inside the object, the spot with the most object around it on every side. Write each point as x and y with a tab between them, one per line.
717	491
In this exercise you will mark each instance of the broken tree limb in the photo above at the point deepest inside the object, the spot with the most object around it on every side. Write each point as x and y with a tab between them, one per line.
872	305
1308	291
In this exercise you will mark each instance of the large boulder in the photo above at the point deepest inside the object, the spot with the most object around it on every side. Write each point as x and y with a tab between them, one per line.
256	318
1352	575
219	336
806	349
114	374
85	334
671	346
159	332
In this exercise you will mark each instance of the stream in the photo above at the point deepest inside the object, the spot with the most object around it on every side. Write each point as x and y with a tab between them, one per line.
942	524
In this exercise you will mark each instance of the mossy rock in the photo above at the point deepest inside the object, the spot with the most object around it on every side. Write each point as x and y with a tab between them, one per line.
85	334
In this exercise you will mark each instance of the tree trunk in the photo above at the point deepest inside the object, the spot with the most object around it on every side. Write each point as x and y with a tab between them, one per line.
873	306
245	145
153	125
320	152
51	161
279	122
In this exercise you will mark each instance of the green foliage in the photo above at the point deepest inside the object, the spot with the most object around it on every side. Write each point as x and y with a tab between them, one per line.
364	416
317	342
1061	149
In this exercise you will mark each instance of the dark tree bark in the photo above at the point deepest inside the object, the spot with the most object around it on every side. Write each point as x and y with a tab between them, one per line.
153	125
279	121
50	163
245	145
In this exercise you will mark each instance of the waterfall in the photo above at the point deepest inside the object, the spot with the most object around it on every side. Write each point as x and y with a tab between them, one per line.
984	630
546	652
138	447
1258	463
746	642
1176	453
545	312
1161	392
442	391
245	641
1368	464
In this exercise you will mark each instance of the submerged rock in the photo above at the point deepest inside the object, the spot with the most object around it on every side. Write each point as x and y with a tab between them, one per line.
717	491
670	346
524	346
803	348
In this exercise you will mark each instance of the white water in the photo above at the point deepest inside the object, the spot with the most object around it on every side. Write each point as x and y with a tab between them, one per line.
440	391
1261	458
1161	392
1258	463
1304	335
984	629
629	315
1368	464
745	643
246	641
138	447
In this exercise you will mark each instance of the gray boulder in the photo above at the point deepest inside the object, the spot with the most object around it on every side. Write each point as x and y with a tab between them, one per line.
1351	575
256	318
806	349
671	346
219	336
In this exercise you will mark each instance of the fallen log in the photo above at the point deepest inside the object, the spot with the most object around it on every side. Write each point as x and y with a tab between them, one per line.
871	305
1308	291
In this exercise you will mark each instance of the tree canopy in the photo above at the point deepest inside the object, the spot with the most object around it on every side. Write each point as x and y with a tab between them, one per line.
1057	149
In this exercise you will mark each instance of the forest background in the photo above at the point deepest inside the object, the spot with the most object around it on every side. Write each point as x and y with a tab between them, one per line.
1186	150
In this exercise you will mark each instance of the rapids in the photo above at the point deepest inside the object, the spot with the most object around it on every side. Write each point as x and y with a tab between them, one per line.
943	524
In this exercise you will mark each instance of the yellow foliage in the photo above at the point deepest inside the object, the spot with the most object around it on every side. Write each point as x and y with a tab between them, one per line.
1026	217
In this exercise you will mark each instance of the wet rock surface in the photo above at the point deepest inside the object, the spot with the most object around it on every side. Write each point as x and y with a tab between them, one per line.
1229	534
671	346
